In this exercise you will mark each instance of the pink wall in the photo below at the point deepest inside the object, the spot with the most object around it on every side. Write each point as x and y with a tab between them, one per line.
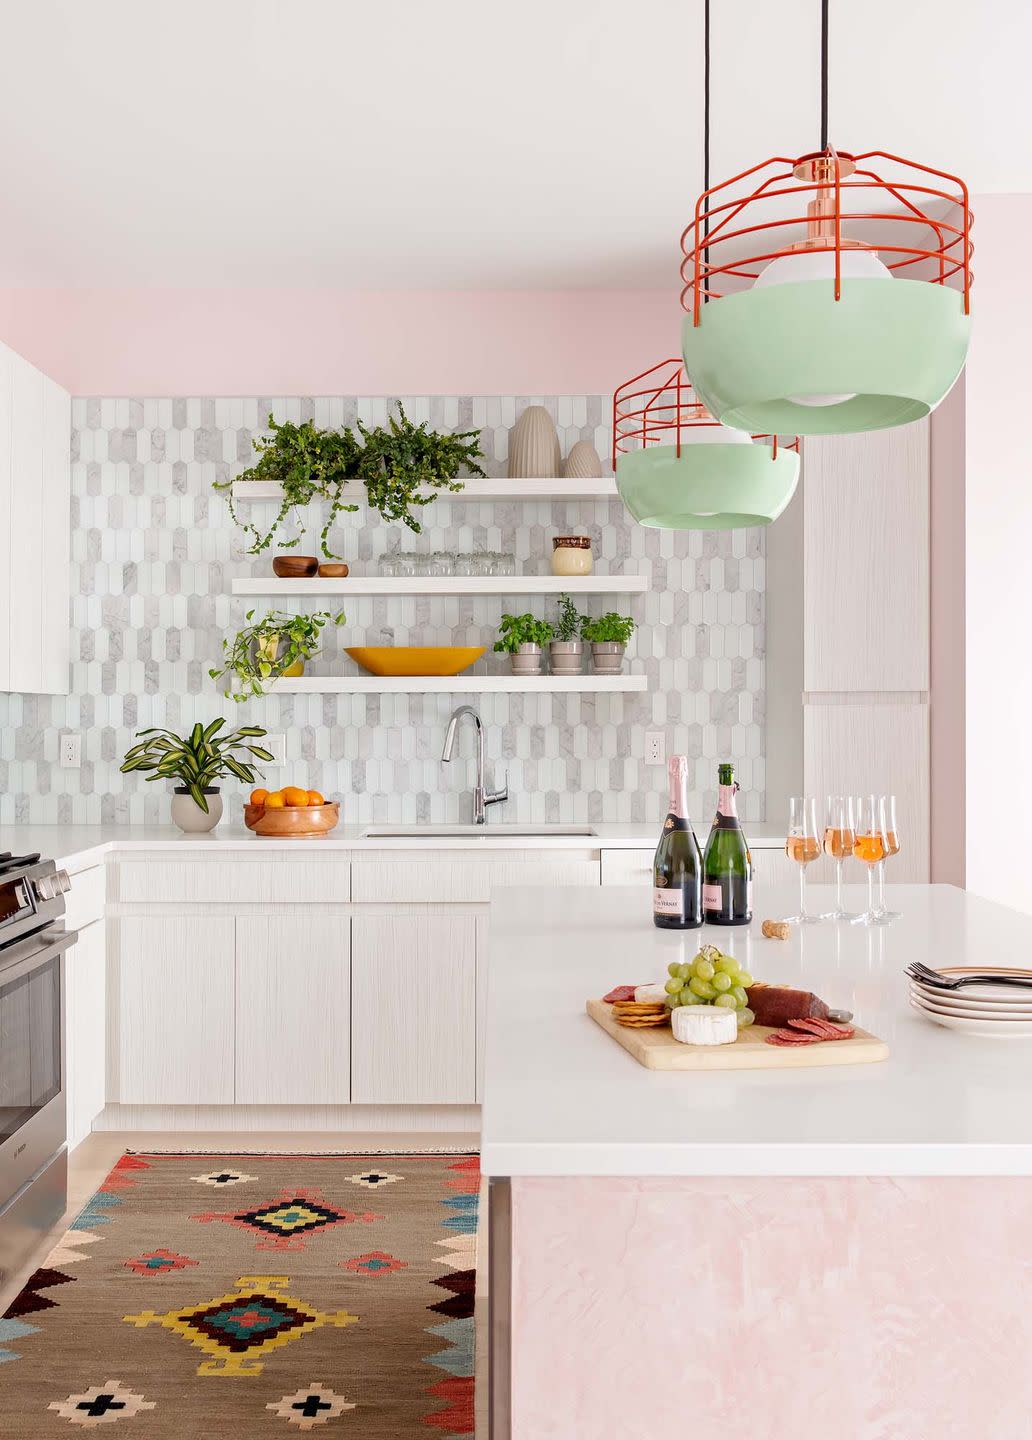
315	342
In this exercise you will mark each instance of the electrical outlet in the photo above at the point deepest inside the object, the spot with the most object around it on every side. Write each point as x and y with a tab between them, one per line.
71	752
277	748
655	749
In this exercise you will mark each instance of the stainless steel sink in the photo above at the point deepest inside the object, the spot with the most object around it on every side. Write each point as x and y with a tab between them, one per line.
479	832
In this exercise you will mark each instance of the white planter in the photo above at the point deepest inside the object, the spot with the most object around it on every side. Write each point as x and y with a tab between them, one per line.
607	657
189	816
527	660
566	656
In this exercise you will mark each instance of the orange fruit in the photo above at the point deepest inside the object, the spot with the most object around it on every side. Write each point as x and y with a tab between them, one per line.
314	798
259	796
275	801
293	795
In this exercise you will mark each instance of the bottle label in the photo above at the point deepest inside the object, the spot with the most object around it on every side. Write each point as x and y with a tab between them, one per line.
712	897
668	902
674	822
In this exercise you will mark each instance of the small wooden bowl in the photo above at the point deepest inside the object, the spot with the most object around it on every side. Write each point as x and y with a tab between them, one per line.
333	571
297	821
294	567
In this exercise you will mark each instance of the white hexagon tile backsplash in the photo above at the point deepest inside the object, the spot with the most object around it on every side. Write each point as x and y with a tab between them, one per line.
154	551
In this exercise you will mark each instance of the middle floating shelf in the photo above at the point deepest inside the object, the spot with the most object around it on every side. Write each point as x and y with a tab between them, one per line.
454	684
448	585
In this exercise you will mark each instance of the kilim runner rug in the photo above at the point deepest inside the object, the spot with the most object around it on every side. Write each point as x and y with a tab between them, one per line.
233	1297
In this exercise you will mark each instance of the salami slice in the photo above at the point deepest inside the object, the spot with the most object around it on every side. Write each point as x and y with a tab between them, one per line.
620	992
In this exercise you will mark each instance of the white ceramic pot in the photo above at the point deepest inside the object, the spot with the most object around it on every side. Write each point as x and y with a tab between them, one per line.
188	815
527	660
566	656
583	462
534	450
607	657
571	555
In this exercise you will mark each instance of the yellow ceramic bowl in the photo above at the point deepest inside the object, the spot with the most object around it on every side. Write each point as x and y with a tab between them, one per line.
415	659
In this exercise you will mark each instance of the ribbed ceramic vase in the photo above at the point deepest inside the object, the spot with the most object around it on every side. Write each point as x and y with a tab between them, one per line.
583	462
534	451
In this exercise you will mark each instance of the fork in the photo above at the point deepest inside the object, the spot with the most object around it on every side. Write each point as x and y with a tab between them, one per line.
917	971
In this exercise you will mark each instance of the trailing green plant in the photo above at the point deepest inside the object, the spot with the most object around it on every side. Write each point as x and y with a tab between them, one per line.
198	759
517	630
265	649
568	623
394	462
309	464
397	460
611	627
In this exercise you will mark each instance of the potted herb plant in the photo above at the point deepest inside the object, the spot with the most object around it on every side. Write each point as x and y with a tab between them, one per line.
608	636
523	638
197	761
274	647
566	650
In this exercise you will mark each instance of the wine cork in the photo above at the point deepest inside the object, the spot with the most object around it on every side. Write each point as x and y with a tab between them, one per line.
776	929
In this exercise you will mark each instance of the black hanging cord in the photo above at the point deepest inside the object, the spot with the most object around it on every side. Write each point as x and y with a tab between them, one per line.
824	74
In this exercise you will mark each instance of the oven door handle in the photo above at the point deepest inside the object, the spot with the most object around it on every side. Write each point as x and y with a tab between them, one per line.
57	941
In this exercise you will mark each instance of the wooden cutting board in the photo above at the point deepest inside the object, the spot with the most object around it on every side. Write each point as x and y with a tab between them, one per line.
657	1049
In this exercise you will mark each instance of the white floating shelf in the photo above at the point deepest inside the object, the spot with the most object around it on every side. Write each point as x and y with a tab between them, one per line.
447	585
455	684
603	488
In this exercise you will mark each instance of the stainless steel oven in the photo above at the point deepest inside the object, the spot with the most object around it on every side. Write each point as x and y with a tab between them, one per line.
33	1167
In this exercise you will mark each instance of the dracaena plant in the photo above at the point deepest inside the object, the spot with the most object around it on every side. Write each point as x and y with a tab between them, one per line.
197	760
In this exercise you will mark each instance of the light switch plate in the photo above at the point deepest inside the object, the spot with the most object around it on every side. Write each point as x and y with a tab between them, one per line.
655	747
71	752
277	748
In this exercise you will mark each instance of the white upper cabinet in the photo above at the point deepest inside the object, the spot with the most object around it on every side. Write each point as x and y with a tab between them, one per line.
35	523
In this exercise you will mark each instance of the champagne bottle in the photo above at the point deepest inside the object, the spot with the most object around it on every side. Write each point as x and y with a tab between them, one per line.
727	867
677	868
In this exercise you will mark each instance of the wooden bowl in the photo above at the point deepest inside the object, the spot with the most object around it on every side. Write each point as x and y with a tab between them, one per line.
294	567
298	821
252	814
333	571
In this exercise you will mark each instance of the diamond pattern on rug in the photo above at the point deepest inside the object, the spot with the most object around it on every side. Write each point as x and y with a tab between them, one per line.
158	1262
101	1405
288	1216
310	1406
258	1318
373	1179
221	1178
376	1262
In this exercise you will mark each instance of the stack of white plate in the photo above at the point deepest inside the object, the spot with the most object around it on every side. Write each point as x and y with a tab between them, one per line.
1003	1012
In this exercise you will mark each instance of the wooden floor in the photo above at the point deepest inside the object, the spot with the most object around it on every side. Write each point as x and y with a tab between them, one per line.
90	1163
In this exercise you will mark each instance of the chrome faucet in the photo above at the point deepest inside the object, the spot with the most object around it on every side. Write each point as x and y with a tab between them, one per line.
481	798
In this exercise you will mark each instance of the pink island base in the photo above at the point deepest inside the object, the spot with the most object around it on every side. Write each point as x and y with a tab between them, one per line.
772	1309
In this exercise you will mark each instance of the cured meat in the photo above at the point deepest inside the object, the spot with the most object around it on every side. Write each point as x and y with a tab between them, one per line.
790	1038
778	1004
620	992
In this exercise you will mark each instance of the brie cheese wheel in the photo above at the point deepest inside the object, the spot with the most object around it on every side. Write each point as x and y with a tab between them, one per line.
646	993
704	1025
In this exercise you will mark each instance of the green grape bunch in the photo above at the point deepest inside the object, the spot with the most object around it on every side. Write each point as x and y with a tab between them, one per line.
712	978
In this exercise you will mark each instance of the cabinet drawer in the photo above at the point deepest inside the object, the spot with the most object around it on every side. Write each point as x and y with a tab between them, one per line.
84	902
215	878
414	877
627	867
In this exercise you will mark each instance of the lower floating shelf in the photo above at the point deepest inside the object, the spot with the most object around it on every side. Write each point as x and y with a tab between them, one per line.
456	684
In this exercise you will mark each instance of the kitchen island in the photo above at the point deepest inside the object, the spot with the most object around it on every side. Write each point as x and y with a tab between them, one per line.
780	1253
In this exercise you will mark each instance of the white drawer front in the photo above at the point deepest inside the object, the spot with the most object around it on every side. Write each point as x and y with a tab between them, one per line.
84	902
627	867
217	878
417	878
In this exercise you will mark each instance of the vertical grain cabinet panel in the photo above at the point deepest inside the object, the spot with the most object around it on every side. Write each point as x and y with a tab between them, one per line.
174	1011
85	1022
55	566
293	995
26	523
6	494
413	1009
866	561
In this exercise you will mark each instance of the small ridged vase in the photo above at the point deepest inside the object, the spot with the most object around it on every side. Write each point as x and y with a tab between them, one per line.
583	462
534	451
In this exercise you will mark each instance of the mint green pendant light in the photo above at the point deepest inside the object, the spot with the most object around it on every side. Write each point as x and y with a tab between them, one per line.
828	294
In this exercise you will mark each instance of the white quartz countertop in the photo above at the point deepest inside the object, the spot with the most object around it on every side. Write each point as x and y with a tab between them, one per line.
78	846
563	1098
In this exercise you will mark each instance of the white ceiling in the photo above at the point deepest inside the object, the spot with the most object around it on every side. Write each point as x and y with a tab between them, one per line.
403	144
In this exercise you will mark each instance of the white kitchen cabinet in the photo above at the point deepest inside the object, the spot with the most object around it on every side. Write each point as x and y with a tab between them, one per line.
85	1020
35	528
173	1010
413	1008
293	1000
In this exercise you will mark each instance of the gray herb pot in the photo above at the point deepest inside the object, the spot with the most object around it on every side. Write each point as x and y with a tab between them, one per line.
607	657
188	815
527	660
566	656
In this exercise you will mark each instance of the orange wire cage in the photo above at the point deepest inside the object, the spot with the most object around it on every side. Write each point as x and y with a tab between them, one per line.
657	406
916	218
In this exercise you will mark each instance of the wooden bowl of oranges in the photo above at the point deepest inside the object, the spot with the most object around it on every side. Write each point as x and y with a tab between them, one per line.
291	812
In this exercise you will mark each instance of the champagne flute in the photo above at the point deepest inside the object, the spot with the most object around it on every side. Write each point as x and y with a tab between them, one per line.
869	846
803	845
839	833
890	833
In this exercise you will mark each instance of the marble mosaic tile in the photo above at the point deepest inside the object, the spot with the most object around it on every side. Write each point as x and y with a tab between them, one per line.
154	551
